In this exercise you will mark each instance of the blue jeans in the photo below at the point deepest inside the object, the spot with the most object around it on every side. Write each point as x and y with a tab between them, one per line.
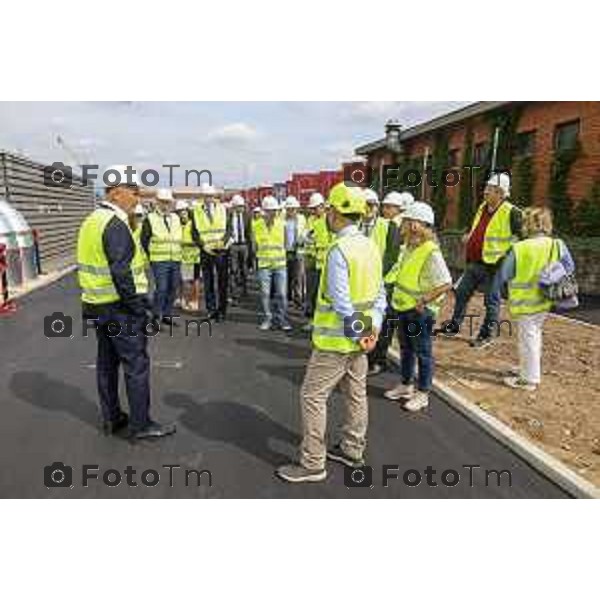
167	277
414	331
278	279
478	275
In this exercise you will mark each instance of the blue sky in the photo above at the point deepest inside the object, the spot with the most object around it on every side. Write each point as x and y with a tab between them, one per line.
241	143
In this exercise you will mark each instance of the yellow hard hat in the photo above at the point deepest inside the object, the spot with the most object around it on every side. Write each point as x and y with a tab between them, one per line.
347	200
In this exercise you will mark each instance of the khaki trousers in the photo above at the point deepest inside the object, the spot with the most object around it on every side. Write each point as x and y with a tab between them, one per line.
325	370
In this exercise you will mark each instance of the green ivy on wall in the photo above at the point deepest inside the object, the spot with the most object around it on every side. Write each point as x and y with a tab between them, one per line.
523	181
466	209
439	162
587	213
560	202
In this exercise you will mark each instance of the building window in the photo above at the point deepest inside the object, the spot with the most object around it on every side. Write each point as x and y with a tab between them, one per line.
566	135
525	144
480	154
453	158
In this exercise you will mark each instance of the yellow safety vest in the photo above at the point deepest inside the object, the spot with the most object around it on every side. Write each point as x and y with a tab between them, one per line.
212	232
94	275
498	237
405	276
364	275
270	244
379	233
165	242
137	237
531	257
316	247
190	253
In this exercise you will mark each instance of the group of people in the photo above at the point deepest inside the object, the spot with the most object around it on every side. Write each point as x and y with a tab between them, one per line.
361	271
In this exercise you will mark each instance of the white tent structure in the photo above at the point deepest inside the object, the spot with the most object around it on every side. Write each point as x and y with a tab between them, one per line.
17	236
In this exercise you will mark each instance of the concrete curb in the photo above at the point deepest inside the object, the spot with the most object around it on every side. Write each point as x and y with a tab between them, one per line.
540	460
41	282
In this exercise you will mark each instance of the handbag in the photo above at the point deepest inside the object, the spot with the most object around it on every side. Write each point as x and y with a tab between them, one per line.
558	285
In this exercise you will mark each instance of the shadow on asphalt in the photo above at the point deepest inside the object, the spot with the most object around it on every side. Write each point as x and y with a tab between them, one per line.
39	390
293	374
273	346
241	425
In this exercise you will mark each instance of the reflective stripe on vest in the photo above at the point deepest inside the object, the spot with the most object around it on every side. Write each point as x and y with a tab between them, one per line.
212	232
190	253
95	279
531	257
364	278
406	273
498	237
165	242
270	244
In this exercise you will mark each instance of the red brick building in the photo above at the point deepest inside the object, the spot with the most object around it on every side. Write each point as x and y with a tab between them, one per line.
530	136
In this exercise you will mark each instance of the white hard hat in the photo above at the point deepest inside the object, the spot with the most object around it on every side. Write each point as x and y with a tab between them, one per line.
420	211
256	209
139	210
400	199
115	175
181	205
315	200
206	189
238	200
371	196
502	180
164	194
270	203
292	202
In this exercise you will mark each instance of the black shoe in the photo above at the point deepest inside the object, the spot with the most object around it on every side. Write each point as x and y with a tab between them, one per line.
118	424
213	315
169	321
481	341
338	455
153	430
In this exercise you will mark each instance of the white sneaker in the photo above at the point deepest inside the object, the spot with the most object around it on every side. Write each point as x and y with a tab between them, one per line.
418	402
518	383
265	326
399	392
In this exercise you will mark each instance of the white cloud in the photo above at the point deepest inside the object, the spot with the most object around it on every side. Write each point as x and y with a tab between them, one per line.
233	134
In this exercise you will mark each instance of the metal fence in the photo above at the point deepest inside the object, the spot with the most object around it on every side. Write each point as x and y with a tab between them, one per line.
55	212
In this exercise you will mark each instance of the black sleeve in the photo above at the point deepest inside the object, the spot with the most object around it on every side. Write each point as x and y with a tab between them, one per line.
392	247
516	222
145	235
120	249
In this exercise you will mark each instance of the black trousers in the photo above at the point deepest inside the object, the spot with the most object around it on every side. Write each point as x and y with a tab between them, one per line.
313	277
386	335
129	349
215	273
239	269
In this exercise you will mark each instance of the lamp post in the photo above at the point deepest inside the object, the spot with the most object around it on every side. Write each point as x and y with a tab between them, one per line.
393	131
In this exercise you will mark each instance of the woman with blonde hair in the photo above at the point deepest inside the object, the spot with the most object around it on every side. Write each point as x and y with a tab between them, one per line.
528	306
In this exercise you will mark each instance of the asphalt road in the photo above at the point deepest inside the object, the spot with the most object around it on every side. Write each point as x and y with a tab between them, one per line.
234	395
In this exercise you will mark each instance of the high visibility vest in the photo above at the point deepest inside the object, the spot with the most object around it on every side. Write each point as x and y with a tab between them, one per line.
531	257
318	244
379	233
270	244
212	232
94	275
498	238
190	253
165	242
364	276
406	273
137	238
